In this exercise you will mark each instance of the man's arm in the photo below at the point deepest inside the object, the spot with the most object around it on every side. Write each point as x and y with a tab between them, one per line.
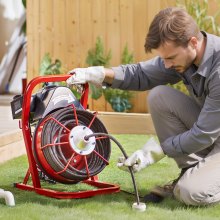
141	76
109	76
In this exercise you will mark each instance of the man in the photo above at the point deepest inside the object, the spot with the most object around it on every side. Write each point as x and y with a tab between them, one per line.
188	127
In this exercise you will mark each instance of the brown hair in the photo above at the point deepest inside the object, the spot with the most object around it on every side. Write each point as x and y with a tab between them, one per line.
171	24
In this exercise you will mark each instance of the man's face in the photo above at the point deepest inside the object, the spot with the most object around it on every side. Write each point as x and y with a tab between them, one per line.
177	57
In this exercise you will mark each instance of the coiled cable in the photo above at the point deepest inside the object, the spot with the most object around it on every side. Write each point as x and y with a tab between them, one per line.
57	154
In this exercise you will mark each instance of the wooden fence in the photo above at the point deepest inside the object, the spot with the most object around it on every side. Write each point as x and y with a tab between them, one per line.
67	29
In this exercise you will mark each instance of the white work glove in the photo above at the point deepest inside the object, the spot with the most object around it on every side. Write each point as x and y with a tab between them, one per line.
93	74
149	154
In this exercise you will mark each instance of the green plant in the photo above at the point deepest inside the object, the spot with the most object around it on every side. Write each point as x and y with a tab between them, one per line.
120	99
97	57
198	9
47	67
127	57
181	87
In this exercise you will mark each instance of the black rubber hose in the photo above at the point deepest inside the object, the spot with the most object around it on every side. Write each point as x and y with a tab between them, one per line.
125	155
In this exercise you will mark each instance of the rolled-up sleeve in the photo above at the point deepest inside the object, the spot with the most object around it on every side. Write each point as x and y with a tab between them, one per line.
205	130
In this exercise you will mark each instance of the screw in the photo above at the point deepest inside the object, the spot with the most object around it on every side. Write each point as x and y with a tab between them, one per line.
84	128
71	136
93	143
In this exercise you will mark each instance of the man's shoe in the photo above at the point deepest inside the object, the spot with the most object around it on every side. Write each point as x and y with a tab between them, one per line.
158	193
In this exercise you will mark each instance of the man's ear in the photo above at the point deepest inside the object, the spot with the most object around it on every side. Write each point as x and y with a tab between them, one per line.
193	42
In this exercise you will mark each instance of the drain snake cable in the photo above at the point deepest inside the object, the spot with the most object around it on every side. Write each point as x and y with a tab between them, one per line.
125	155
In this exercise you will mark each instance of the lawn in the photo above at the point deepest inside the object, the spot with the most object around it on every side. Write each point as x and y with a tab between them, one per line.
115	206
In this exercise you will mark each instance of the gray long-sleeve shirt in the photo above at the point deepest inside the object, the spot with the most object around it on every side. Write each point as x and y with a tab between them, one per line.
203	85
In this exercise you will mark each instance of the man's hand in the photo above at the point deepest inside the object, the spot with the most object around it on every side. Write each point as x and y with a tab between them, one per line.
149	154
93	74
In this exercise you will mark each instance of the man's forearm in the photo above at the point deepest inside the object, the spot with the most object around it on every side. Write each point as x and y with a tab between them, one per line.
109	76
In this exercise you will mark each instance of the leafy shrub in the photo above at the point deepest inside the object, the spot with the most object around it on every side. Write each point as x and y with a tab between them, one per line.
119	99
47	67
97	57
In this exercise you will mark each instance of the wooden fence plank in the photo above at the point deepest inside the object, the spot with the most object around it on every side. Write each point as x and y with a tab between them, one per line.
30	45
35	40
73	35
46	26
59	30
126	25
113	30
98	30
85	30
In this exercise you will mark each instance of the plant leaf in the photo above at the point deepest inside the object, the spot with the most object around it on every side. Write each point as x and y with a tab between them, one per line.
96	93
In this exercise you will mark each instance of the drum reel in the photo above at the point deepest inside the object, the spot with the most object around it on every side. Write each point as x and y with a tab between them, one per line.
61	151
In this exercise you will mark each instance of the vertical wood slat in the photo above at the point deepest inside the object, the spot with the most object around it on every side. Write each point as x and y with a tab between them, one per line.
30	48
126	24
73	34
59	30
113	30
98	11
85	28
46	27
68	29
33	38
113	34
140	28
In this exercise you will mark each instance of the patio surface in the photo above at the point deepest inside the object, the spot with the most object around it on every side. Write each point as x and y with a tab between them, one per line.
6	121
11	141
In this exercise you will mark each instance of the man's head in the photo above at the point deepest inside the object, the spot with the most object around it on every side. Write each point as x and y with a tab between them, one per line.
175	35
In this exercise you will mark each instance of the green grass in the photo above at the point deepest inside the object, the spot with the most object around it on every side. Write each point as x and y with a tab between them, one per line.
30	205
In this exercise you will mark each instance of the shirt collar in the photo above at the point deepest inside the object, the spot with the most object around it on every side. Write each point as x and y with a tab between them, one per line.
204	67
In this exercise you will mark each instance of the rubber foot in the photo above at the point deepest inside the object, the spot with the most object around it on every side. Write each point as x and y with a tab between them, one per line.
139	207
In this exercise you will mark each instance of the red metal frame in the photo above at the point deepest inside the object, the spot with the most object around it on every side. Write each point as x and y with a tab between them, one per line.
101	187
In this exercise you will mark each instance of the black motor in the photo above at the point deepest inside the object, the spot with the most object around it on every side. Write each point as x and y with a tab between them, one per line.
45	101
